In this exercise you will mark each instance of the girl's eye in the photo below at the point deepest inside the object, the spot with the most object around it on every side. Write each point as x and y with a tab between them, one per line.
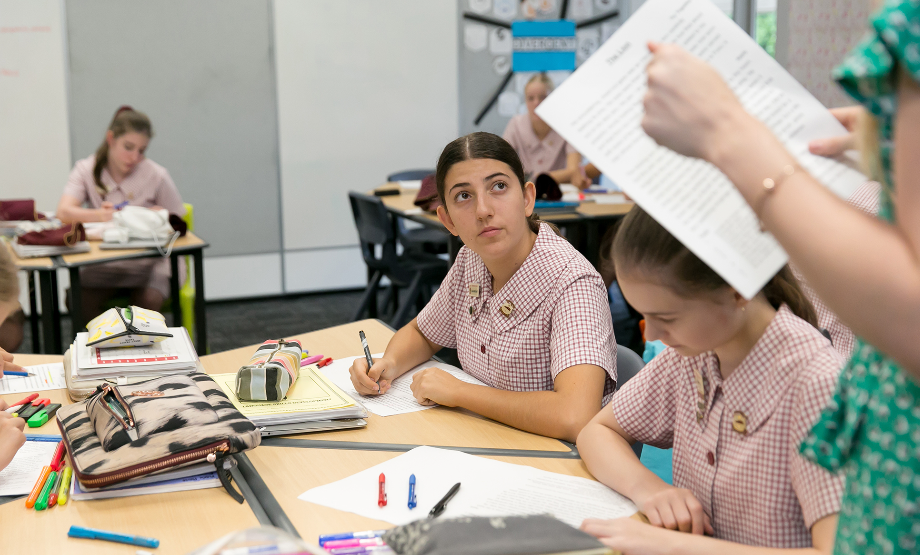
463	195
500	185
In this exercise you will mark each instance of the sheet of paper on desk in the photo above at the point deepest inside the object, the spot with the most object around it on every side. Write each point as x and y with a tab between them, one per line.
47	376
488	488
399	399
22	472
599	111
415	184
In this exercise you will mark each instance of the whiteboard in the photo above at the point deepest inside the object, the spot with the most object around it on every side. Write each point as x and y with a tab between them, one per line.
34	136
365	88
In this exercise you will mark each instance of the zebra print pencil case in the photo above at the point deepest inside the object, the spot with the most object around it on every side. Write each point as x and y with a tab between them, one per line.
270	373
129	431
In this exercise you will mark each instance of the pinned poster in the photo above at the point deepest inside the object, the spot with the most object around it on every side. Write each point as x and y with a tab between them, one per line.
543	45
475	37
505	9
508	104
500	41
480	6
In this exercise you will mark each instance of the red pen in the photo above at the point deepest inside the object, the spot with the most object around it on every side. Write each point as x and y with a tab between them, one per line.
382	496
57	461
21	402
325	362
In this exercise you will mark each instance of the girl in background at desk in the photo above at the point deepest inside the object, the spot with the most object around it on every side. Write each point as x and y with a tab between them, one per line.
539	147
526	312
119	174
11	434
739	387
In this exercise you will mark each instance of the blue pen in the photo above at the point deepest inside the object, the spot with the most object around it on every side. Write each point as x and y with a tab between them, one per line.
48	439
351	536
121	205
412	499
93	534
16	373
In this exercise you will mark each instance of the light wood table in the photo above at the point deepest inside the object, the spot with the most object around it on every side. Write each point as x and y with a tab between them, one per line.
289	472
438	426
589	215
182	521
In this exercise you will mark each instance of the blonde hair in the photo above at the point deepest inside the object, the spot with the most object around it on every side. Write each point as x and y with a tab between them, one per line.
126	120
9	280
541	78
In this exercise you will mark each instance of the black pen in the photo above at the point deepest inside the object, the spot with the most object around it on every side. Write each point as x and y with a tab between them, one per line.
441	505
367	353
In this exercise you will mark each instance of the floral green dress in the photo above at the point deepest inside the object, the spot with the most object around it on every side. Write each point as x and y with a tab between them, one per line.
871	429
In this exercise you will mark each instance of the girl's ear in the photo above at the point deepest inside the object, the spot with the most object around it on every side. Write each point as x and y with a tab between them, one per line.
445	218
530	196
740	301
110	138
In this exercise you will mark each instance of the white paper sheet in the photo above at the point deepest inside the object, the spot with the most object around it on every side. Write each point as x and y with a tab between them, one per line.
20	475
488	488
599	111
47	376
399	399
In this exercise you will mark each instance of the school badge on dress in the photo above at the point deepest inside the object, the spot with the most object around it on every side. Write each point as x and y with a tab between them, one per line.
739	422
507	308
474	290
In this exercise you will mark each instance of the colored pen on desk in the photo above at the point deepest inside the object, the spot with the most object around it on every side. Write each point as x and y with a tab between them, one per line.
93	534
350	536
325	362
441	505
55	489
120	205
57	460
42	502
338	544
413	501
65	486
371	549
38	419
37	488
382	493
310	360
21	402
17	373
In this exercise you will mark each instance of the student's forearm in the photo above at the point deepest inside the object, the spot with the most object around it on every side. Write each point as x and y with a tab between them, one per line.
611	460
71	214
546	413
408	348
563	175
693	544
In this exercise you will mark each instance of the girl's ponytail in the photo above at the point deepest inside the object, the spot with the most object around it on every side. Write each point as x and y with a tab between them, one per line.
126	119
784	288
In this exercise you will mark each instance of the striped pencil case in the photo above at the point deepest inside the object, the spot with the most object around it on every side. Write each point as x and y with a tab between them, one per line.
271	371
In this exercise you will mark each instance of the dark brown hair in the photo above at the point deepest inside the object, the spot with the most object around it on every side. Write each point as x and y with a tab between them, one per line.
126	120
643	244
481	145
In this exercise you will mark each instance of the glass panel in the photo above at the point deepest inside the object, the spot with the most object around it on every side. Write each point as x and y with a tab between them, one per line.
766	25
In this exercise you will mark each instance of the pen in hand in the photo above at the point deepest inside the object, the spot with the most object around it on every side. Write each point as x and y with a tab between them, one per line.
367	354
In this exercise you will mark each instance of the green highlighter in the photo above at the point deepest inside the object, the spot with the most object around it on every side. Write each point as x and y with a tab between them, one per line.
42	502
39	418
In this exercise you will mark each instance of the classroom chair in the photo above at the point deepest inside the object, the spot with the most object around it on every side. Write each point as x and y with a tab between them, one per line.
628	365
417	272
424	239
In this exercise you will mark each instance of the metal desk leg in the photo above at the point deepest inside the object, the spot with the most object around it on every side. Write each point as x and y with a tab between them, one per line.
76	301
201	328
174	290
51	313
33	313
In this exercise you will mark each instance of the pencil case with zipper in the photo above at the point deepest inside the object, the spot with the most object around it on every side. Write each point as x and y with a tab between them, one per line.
271	372
123	432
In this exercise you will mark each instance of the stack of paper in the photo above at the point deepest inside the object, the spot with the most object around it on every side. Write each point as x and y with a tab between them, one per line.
34	251
199	476
174	355
313	404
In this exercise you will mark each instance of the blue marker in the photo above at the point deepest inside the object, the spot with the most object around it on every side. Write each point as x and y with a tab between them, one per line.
93	534
412	499
351	536
121	205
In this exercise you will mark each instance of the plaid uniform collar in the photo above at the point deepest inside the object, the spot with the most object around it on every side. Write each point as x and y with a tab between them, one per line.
754	388
529	285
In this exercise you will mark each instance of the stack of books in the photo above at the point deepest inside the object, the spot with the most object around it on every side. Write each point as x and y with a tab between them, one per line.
35	251
174	355
199	476
313	404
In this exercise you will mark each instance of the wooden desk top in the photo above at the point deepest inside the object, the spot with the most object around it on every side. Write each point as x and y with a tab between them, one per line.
95	255
181	521
437	426
290	471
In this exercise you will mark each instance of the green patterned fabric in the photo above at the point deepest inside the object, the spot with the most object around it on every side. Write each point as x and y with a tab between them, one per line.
871	429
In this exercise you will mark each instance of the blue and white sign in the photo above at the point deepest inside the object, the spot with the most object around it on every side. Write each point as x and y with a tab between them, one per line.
543	45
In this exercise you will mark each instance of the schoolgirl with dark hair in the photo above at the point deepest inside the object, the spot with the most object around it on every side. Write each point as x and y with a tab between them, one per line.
739	386
526	312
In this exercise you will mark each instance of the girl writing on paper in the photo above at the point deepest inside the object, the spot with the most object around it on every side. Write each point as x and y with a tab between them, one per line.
11	429
539	147
735	392
120	174
867	270
526	312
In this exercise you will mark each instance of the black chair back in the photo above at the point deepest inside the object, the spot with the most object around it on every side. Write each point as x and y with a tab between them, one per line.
375	227
409	175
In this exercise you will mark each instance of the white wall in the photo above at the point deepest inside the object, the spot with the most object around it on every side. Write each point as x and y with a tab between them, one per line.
34	136
365	88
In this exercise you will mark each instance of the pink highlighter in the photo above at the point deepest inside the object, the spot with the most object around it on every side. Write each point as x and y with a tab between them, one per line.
369	542
311	360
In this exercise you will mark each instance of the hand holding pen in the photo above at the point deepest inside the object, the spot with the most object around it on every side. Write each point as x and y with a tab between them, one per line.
7	366
369	376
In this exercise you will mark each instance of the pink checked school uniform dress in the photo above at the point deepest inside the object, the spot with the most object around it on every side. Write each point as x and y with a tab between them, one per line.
148	185
736	441
536	155
551	315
